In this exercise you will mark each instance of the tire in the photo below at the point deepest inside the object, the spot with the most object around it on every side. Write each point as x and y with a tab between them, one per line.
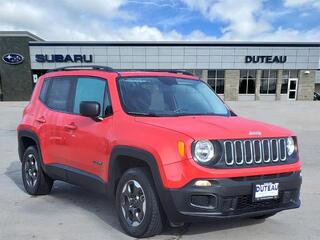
35	181
264	216
148	220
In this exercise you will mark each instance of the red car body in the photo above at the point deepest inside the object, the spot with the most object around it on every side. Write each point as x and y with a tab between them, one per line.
76	141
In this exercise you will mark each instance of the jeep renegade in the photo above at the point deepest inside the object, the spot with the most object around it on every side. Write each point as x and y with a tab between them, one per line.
163	144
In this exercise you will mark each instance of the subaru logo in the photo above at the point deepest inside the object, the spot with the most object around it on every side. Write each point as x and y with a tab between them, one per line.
13	58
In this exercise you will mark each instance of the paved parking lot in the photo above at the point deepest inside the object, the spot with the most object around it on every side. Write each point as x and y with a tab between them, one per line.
70	212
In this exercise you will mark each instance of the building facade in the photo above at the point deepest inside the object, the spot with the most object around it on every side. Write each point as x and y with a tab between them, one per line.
235	70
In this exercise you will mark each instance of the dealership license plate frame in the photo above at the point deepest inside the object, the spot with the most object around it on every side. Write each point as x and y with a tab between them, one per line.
267	197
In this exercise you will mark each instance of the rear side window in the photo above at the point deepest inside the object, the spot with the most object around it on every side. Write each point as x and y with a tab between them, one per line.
59	94
89	89
44	90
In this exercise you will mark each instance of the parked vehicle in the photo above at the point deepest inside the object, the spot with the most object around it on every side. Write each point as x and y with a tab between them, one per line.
163	144
316	96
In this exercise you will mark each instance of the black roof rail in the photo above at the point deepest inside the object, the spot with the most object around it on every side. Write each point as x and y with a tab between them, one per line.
185	72
83	67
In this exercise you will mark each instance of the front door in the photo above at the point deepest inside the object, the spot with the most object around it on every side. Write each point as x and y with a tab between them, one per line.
87	139
293	87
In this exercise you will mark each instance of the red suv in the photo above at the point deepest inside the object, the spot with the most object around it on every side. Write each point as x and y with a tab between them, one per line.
163	144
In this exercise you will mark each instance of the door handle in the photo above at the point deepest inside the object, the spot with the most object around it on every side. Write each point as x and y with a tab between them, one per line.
70	126
41	120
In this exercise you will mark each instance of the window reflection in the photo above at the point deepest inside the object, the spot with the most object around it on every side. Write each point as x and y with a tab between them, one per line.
216	80
268	82
247	84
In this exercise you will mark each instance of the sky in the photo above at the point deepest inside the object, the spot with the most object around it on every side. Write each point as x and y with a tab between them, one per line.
164	20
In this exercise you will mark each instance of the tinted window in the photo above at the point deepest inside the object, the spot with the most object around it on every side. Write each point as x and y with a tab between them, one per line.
89	89
59	94
44	90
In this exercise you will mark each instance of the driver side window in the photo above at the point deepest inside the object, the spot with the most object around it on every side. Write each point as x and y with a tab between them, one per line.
90	89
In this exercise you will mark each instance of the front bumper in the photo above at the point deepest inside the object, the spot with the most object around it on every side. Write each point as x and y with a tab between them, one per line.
229	198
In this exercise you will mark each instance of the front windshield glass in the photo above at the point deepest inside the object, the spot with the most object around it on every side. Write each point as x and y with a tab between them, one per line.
168	96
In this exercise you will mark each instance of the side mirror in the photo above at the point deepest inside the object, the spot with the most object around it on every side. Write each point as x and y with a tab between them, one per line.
90	109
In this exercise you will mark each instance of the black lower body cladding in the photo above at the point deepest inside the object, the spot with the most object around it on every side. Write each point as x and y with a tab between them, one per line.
230	198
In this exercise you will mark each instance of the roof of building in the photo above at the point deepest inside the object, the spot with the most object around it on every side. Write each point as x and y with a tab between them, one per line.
20	34
177	43
41	42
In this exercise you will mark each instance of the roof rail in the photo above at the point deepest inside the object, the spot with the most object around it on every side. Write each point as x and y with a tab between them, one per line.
82	67
185	72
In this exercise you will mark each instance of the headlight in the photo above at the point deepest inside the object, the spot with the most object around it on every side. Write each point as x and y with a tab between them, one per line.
290	146
203	151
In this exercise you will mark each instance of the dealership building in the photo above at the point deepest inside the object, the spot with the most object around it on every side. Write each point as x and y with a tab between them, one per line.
245	71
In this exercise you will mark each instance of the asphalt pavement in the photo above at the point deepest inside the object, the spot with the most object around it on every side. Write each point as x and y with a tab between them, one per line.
70	212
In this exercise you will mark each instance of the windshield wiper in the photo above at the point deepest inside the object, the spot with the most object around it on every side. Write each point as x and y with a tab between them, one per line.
143	114
198	114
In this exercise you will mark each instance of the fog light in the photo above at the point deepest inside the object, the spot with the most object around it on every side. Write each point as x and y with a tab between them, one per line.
202	183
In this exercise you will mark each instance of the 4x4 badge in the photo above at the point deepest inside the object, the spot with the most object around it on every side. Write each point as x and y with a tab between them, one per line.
97	163
255	133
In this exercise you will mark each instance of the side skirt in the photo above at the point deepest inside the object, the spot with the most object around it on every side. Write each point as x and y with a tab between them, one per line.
76	177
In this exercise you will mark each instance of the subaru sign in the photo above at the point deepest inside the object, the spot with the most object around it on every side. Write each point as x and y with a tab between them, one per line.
60	58
13	58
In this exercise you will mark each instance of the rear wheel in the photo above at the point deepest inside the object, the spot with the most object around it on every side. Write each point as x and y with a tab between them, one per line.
137	204
35	181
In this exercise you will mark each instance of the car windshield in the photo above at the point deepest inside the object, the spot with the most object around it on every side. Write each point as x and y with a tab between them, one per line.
168	96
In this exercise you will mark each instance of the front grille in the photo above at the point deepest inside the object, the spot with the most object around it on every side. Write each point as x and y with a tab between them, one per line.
254	151
262	177
245	203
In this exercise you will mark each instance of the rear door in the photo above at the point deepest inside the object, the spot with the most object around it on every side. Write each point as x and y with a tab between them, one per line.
56	95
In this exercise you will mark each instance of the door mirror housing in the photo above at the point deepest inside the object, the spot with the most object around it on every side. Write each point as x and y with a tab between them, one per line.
90	109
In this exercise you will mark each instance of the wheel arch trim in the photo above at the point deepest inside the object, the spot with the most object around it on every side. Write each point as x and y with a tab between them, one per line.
137	153
28	134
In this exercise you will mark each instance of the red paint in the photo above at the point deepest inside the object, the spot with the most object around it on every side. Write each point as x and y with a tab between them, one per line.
76	141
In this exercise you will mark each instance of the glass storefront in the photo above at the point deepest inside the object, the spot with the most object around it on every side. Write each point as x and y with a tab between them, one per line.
247	84
216	80
286	75
268	82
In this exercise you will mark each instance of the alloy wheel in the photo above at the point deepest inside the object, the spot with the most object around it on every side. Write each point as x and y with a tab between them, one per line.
31	170
133	203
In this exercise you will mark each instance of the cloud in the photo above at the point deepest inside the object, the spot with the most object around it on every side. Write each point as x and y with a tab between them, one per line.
240	17
116	20
302	3
249	20
99	8
22	14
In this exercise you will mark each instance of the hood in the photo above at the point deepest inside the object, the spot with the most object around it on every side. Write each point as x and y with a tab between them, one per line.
216	127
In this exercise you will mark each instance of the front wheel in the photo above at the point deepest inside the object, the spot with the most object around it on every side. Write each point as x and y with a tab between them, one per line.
138	205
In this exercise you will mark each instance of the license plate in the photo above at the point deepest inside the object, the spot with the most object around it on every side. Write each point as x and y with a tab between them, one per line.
269	190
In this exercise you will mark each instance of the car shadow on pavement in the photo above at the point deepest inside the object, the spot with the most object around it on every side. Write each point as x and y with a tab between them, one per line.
104	208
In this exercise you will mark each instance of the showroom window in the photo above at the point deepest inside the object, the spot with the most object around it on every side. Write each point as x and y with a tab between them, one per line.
247	84
286	74
268	82
216	80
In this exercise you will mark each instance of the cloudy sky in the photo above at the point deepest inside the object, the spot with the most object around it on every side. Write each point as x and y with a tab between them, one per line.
158	20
